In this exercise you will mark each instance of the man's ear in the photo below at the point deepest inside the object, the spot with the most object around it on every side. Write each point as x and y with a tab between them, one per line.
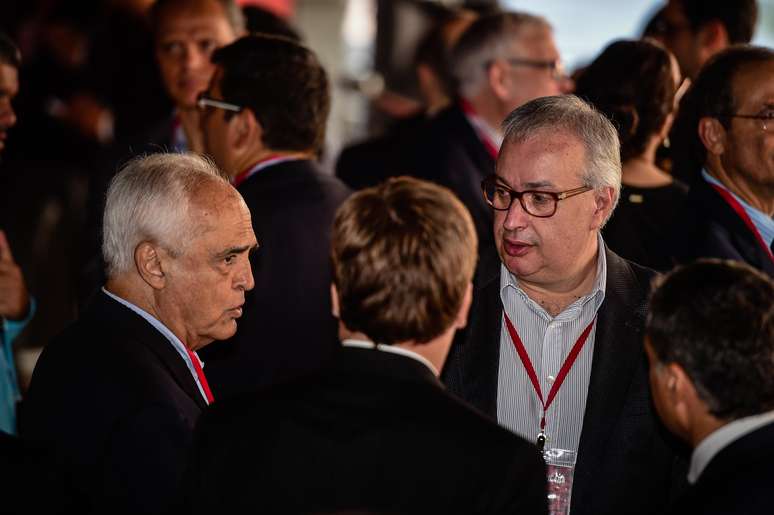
603	204
334	301
712	37
247	129
149	264
498	77
712	135
462	315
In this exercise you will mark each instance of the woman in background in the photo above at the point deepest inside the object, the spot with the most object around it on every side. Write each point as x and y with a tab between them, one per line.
637	85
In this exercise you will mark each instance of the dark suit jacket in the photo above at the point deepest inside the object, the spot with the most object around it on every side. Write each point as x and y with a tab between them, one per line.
452	155
737	480
377	432
625	463
118	404
287	328
713	229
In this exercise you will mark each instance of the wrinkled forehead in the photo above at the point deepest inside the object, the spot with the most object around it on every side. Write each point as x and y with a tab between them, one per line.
195	17
753	85
534	40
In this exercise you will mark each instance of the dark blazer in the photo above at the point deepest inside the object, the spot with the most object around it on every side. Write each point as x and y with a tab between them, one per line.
736	481
713	229
626	463
287	328
375	432
117	403
452	155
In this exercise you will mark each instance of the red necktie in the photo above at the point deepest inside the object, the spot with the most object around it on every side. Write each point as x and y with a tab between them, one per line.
200	375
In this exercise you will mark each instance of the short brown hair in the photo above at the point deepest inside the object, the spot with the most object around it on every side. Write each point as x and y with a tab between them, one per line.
403	255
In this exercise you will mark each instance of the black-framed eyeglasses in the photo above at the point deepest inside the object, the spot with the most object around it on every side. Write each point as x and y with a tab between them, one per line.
203	102
538	203
554	67
766	118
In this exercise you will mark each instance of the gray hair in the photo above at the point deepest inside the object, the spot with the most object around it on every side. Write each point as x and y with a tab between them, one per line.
149	200
571	114
488	38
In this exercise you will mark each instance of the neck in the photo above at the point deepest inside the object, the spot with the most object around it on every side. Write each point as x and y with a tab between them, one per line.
761	198
259	154
434	351
488	109
144	298
189	120
704	427
555	296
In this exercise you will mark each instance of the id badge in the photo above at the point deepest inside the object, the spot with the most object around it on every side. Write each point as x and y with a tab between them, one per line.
560	466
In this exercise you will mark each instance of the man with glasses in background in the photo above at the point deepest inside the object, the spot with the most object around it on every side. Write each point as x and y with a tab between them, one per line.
727	122
500	62
263	120
553	349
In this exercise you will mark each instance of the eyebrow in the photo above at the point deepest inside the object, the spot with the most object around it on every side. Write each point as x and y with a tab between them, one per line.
237	250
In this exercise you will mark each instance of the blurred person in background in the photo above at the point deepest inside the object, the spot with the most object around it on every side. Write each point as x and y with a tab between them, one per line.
501	61
263	118
637	84
725	129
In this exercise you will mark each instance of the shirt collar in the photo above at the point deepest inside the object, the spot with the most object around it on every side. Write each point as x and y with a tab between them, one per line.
722	438
509	282
365	344
763	222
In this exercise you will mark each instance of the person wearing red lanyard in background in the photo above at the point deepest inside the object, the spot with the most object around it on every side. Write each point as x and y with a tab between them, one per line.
263	120
727	119
501	61
554	343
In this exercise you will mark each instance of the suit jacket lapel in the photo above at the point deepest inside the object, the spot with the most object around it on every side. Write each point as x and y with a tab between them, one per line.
121	318
617	353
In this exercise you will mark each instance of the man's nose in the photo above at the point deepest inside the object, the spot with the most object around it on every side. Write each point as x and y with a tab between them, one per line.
516	217
245	278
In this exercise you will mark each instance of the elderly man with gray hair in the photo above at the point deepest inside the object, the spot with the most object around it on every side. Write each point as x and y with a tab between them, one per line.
117	394
554	346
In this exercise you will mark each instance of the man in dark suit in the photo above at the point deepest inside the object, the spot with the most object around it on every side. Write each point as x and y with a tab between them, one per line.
710	342
727	121
264	122
376	431
558	312
117	394
500	62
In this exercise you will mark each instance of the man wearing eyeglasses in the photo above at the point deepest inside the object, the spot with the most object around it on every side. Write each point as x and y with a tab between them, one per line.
554	345
727	123
263	120
500	62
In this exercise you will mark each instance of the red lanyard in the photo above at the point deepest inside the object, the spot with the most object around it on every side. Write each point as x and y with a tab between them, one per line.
200	374
490	146
736	206
566	366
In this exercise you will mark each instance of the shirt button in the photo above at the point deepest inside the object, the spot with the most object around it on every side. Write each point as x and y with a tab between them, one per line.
551	379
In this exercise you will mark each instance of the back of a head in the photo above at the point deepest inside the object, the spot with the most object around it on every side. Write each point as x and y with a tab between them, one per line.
403	255
263	21
488	38
716	320
738	16
161	8
148	200
284	85
9	52
571	115
632	83
712	94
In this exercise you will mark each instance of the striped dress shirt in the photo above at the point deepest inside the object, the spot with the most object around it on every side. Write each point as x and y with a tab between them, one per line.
547	340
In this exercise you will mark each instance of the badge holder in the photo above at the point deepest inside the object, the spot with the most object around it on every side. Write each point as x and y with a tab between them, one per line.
560	466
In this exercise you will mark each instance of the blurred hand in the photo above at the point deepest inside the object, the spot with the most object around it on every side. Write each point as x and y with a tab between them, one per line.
14	299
